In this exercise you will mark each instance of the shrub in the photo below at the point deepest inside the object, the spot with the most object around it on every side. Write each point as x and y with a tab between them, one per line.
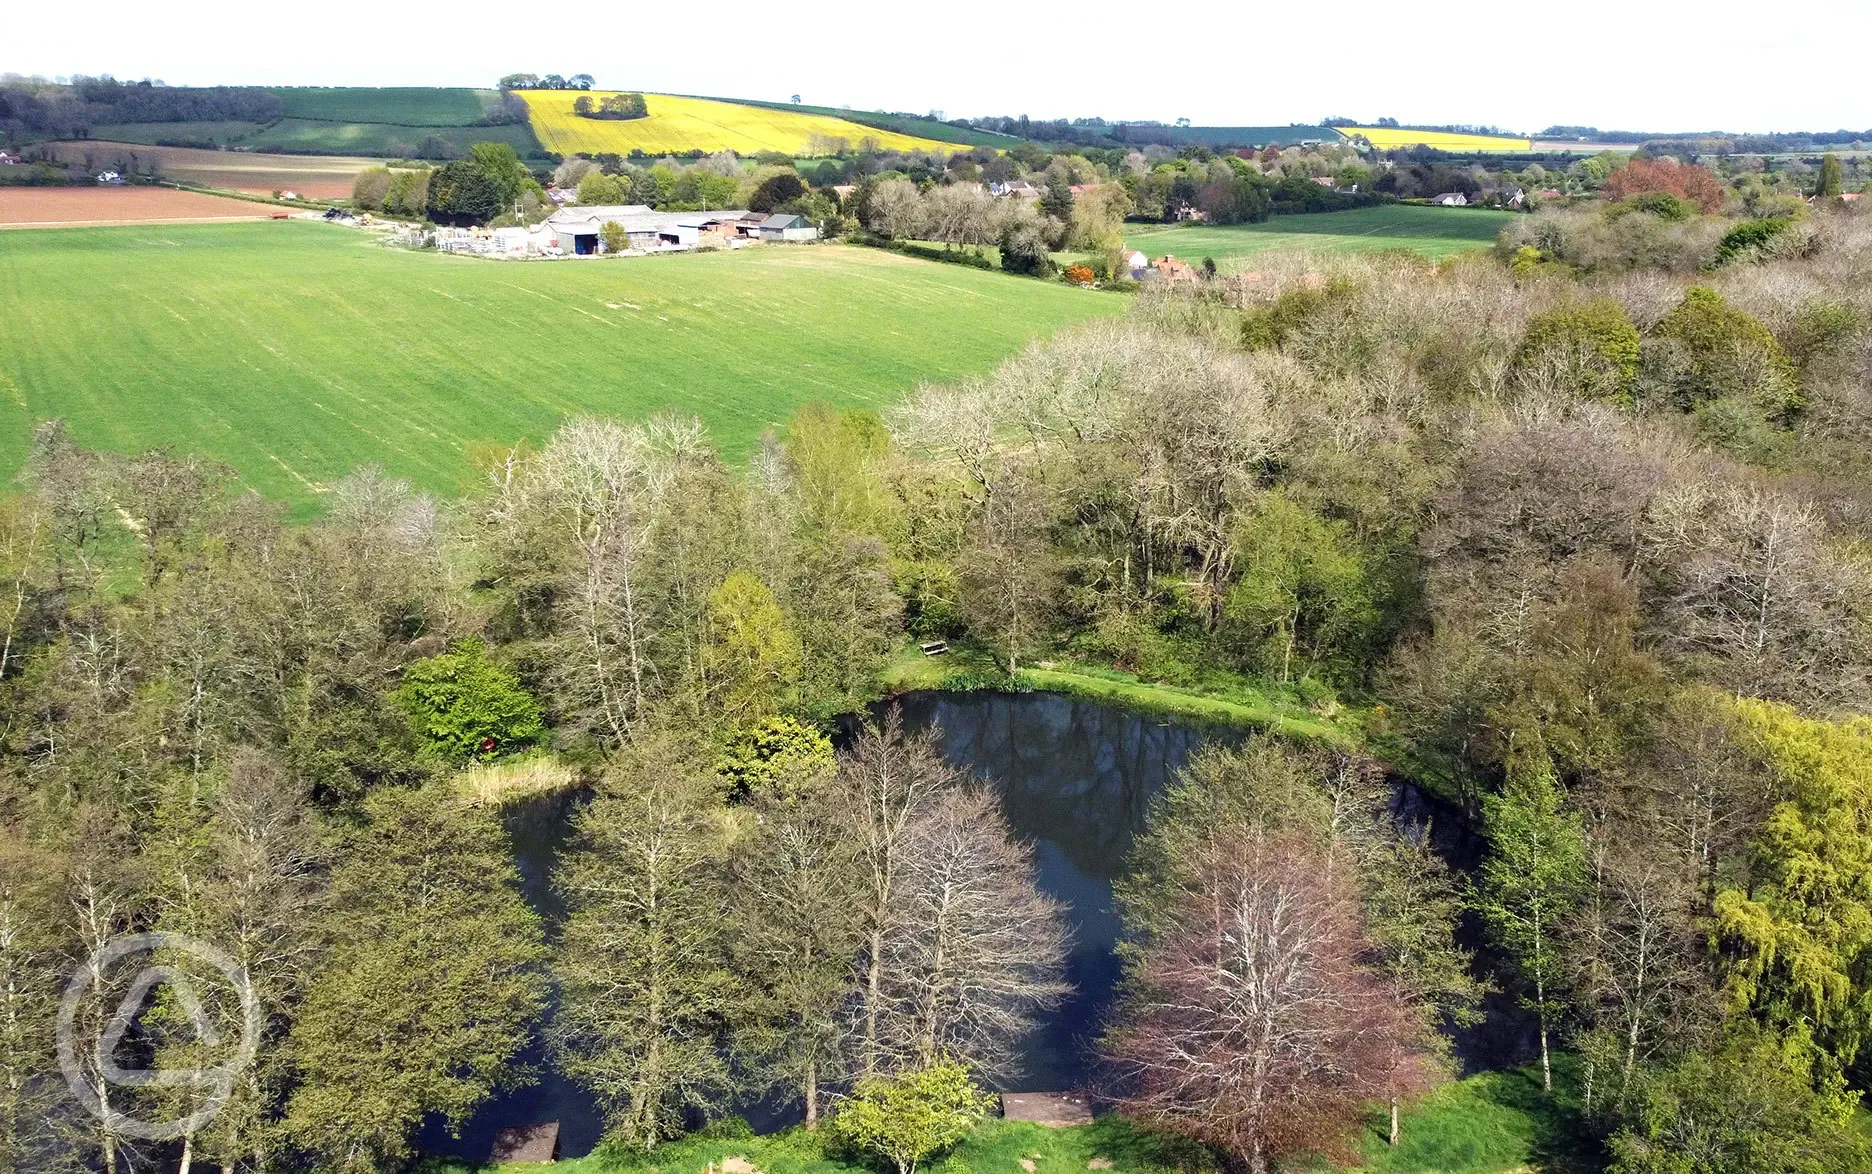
1080	274
776	757
909	1117
1720	350
613	237
1662	205
1749	236
1597	336
466	707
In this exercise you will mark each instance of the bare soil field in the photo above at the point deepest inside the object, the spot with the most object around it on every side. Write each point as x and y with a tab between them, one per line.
319	177
72	207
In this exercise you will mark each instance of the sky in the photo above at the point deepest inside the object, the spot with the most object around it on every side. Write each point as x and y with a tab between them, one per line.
1652	65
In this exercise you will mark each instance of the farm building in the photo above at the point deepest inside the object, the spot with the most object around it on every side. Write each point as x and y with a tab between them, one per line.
778	226
578	229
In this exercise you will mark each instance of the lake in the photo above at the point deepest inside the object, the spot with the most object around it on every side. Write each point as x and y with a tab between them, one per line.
1076	779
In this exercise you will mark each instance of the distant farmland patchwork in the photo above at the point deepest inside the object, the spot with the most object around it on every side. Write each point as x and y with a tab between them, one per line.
314	176
297	352
697	124
384	122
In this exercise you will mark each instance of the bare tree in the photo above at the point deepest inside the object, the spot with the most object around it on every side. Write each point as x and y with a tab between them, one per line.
982	948
885	784
1252	1024
896	210
1761	596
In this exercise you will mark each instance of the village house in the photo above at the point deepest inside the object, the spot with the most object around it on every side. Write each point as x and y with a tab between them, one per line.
1450	200
1020	189
7	160
1170	271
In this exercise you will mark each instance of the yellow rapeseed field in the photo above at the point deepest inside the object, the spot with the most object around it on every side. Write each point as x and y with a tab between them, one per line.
696	124
1387	138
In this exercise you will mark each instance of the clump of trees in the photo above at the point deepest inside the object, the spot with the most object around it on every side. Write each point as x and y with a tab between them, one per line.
616	107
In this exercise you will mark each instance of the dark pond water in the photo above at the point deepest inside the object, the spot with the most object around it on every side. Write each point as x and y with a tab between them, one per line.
1077	779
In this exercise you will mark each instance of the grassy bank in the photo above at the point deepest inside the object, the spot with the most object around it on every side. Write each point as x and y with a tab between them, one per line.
1222	699
997	1147
1493	1123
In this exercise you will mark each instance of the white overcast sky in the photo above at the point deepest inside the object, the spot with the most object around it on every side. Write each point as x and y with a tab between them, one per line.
1616	64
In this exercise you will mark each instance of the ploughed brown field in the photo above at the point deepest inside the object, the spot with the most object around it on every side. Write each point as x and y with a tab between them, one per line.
316	177
71	207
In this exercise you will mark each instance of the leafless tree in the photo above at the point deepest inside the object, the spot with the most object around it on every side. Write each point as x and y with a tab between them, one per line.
959	214
886	784
896	210
1253	1024
982	949
1759	594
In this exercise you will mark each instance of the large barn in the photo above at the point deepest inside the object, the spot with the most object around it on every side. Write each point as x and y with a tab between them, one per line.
579	229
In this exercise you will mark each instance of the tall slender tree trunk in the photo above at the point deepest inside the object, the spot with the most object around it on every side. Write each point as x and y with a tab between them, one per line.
811	1090
1394	1120
873	979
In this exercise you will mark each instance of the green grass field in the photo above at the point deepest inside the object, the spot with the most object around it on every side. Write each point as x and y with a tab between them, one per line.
296	352
307	136
400	105
1434	232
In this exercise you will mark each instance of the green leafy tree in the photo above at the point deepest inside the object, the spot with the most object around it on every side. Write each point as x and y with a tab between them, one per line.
776	190
778	757
502	165
641	964
1752	1105
466	707
1722	351
1303	600
463	191
432	985
913	1116
1531	880
597	188
611	234
752	658
1797	938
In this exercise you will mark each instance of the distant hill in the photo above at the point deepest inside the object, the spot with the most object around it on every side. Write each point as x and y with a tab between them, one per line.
1220	137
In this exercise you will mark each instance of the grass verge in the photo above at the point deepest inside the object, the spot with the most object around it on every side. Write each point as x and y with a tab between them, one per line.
1224	700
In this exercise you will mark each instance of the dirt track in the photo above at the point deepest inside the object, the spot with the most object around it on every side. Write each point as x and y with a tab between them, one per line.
75	207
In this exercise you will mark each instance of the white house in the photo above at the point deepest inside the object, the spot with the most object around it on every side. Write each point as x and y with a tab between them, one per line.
1450	200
